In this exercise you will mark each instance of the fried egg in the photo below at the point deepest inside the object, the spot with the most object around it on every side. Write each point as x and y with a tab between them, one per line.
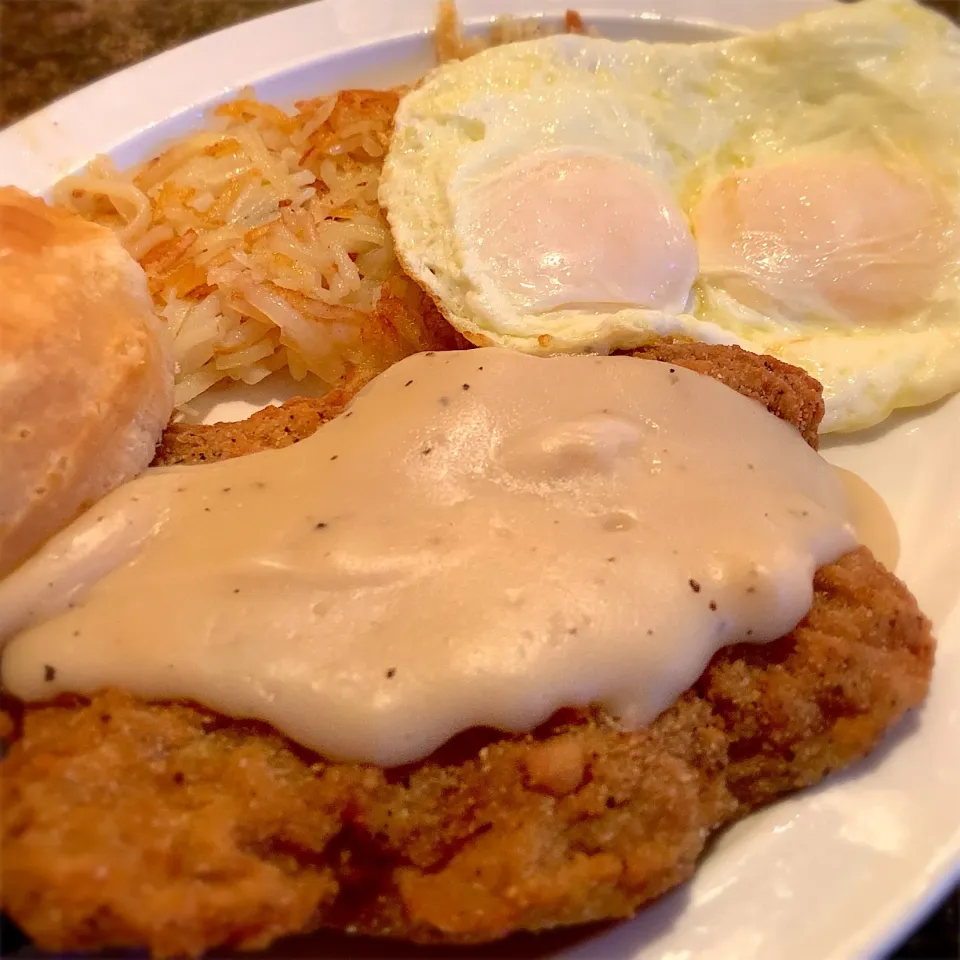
795	192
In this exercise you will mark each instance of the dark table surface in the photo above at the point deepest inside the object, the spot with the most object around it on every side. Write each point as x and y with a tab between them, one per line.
49	48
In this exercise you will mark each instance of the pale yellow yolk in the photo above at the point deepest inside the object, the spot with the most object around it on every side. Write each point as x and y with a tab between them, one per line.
578	231
843	237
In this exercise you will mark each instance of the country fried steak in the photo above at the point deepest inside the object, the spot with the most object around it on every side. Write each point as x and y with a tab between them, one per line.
127	823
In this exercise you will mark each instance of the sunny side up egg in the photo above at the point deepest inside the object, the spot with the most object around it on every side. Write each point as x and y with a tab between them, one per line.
796	192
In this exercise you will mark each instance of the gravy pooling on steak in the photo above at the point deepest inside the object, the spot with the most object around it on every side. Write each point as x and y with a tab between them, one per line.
481	538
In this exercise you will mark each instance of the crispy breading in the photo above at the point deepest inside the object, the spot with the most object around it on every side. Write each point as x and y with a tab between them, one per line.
166	825
423	328
786	391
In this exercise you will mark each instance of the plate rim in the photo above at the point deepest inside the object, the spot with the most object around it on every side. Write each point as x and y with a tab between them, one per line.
189	78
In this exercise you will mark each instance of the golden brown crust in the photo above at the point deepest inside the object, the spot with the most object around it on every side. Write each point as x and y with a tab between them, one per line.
125	823
168	826
270	428
865	654
398	328
786	391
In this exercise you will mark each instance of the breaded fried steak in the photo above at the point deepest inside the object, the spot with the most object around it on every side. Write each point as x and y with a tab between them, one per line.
165	825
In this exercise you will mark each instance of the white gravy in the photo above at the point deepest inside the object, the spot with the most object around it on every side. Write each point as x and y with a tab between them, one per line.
482	538
874	526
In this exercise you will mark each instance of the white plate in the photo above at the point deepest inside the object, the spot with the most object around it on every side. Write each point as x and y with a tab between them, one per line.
836	872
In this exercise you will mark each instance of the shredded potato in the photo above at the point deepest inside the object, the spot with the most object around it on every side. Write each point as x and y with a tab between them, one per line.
262	239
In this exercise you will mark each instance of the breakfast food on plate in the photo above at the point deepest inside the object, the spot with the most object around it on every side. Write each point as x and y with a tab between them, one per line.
794	192
263	241
266	248
87	379
264	245
392	547
477	642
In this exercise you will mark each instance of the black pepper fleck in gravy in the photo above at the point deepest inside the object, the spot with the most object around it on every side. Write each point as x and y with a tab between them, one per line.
383	531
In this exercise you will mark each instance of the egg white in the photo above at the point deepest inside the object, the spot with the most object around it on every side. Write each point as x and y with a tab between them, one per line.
459	131
878	80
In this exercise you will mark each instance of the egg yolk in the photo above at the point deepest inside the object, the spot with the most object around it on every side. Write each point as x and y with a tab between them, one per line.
845	237
581	231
